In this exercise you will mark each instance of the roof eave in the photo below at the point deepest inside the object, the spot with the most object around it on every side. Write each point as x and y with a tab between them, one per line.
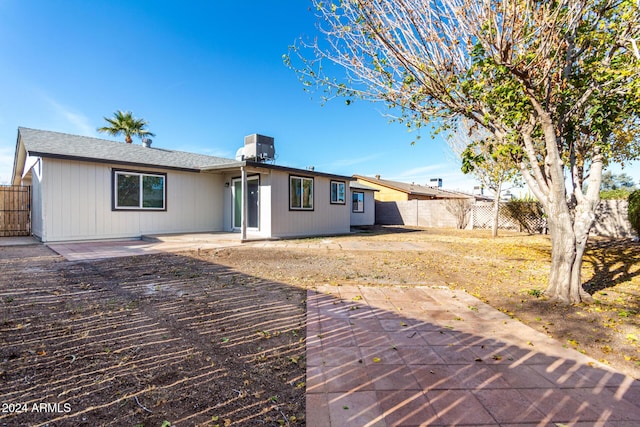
268	166
110	161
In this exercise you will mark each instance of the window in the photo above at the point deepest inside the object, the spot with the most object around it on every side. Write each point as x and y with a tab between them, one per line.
358	201
137	190
300	193
338	193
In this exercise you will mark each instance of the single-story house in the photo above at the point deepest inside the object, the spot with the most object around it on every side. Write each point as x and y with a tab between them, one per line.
363	209
395	191
87	188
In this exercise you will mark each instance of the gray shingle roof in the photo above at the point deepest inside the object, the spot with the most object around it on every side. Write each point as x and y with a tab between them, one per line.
61	145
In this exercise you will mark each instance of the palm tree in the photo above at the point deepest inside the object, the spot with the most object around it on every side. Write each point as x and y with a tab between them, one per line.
124	123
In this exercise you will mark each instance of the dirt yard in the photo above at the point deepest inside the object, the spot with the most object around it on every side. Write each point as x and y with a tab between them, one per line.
217	337
151	340
509	273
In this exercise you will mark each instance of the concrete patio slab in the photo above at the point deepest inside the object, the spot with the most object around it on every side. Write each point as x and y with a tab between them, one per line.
18	241
419	356
83	251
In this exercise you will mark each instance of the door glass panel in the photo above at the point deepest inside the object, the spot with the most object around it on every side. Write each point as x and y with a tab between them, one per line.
253	197
237	204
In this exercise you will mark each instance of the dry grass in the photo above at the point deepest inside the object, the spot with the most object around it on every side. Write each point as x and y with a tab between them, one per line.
509	272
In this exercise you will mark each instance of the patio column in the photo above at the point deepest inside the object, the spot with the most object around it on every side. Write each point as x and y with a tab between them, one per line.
243	214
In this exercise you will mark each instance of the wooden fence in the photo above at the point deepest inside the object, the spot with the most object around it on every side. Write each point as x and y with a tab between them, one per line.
15	210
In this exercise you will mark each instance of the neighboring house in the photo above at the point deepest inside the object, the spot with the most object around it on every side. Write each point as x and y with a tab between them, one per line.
87	189
400	203
363	208
394	191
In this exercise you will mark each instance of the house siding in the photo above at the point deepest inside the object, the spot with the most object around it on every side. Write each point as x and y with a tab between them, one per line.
385	194
265	205
368	217
77	196
324	219
33	180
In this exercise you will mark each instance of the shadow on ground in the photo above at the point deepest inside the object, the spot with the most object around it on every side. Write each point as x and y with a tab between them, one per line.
613	262
432	356
147	339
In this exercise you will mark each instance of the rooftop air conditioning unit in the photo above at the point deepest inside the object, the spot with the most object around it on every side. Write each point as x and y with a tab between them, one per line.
435	182
259	148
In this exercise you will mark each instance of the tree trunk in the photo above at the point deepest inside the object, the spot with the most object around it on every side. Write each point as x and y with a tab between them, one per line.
496	211
584	219
563	255
568	242
568	235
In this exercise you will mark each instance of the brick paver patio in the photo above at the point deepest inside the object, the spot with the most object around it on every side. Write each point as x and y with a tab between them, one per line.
433	356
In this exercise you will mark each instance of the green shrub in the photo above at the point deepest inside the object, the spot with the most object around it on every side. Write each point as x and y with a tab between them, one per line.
618	194
528	214
634	210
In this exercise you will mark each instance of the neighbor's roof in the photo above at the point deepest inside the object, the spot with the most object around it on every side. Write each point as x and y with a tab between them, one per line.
414	189
41	143
360	186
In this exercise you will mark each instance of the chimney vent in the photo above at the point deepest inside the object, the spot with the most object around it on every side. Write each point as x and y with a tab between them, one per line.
378	177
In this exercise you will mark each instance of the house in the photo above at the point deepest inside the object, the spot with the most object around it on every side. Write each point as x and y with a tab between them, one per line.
400	203
88	189
363	207
395	191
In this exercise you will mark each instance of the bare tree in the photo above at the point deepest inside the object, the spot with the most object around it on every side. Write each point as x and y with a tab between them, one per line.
557	85
474	147
461	210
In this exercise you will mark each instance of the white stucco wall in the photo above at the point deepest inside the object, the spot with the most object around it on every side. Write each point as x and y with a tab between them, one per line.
77	203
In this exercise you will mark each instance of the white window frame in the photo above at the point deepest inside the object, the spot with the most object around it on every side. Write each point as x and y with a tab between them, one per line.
140	175
359	209
338	184
302	179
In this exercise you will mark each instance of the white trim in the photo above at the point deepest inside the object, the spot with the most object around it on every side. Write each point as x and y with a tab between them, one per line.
360	208
233	205
141	176
311	193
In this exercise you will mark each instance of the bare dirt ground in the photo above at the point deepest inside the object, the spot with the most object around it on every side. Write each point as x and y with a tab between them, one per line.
217	337
509	273
152	340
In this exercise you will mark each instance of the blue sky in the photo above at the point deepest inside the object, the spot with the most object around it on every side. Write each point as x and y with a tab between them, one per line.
203	74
